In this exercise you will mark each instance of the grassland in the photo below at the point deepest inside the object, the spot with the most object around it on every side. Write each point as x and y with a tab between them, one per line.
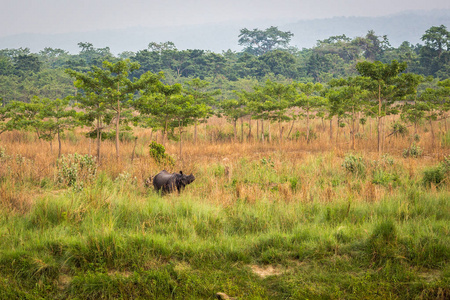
286	220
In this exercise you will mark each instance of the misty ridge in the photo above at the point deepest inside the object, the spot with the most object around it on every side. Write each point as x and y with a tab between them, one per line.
217	37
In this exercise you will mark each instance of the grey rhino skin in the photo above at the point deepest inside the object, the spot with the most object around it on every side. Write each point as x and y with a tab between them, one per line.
167	182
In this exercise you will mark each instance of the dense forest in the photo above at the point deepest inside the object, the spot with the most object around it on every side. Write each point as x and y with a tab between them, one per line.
24	74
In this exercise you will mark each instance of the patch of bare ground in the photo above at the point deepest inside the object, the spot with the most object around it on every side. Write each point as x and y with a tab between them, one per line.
124	274
266	271
430	275
63	281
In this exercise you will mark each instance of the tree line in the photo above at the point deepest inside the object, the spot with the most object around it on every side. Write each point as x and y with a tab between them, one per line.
167	89
109	103
265	53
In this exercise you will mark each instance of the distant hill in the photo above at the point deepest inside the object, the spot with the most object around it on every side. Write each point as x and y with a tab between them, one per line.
407	26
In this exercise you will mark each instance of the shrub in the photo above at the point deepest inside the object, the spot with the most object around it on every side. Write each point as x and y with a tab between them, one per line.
385	178
294	183
399	129
158	153
413	151
267	162
437	174
75	170
298	135
3	153
354	164
124	136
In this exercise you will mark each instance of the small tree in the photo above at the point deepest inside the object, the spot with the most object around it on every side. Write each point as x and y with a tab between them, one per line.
107	91
346	98
437	99
233	109
53	118
387	86
277	99
308	99
198	89
156	105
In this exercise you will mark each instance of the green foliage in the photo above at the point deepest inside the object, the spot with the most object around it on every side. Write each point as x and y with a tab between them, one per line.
267	162
158	153
399	129
258	41
437	175
413	151
75	170
354	164
25	74
385	172
385	178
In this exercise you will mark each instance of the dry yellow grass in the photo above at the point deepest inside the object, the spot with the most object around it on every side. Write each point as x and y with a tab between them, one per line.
39	162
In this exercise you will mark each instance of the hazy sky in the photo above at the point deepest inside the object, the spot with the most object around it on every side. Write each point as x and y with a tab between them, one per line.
61	16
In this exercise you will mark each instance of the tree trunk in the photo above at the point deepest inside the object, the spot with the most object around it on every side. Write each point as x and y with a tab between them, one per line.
242	129
262	130
290	130
432	134
99	134
307	126
164	134
134	149
59	144
353	128
358	116
257	129
235	129
331	130
195	132
117	128
446	127
249	128
281	131
181	133
270	133
337	133
379	120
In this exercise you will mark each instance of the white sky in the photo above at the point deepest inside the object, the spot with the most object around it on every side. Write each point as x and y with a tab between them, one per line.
62	16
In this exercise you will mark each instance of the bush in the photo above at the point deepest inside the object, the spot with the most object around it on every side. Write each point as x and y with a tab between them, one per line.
413	151
158	153
399	129
354	164
124	136
438	174
385	178
75	170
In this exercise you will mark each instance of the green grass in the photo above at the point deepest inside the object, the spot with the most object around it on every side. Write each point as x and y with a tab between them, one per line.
111	240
